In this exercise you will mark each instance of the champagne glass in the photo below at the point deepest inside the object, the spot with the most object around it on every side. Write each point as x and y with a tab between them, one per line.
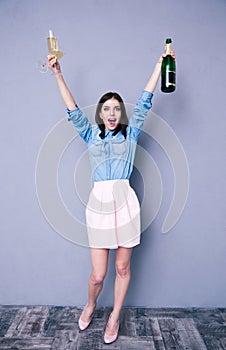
53	49
53	46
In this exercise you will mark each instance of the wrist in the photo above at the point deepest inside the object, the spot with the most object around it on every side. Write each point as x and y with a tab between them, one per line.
158	66
58	74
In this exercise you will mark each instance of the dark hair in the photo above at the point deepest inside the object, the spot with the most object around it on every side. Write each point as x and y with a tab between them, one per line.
123	121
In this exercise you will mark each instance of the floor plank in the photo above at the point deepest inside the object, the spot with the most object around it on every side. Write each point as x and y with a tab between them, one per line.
55	328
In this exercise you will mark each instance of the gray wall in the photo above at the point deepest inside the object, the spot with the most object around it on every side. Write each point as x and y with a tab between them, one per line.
113	45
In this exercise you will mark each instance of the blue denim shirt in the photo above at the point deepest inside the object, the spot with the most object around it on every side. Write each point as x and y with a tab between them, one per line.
112	157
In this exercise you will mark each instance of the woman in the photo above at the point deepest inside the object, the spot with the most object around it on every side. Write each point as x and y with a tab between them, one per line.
113	212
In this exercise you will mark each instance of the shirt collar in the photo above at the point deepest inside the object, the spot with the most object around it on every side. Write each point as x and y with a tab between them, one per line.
107	132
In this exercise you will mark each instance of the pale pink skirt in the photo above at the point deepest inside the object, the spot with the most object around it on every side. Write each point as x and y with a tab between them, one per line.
113	215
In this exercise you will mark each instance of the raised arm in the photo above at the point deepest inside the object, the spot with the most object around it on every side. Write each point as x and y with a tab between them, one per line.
152	82
144	103
67	97
78	118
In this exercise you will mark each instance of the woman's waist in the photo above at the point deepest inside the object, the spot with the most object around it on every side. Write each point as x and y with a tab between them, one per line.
110	183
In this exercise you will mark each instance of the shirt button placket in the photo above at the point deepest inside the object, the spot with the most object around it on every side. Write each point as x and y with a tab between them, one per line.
108	162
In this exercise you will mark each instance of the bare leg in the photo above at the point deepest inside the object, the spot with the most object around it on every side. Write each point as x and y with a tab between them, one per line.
99	260
122	281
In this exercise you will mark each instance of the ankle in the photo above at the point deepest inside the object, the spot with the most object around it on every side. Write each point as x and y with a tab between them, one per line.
91	305
114	316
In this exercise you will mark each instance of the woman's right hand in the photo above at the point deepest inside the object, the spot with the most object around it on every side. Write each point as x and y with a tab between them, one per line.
53	64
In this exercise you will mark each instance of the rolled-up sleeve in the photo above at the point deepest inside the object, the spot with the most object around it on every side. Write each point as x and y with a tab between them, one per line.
81	123
143	105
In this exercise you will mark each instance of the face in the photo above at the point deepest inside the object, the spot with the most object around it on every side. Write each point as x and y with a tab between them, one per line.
110	113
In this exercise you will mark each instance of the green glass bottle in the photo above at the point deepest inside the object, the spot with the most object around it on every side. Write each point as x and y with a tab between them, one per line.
168	69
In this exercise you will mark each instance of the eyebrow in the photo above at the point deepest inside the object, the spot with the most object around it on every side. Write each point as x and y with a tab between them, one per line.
111	105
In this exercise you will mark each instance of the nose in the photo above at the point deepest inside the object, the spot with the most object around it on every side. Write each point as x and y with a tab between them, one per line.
112	111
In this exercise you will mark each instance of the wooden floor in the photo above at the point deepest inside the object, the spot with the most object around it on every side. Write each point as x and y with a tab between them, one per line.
42	327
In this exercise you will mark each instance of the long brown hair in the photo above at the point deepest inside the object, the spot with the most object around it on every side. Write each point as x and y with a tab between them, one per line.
123	121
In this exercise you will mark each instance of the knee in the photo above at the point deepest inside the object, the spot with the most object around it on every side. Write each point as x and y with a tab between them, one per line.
122	269
97	278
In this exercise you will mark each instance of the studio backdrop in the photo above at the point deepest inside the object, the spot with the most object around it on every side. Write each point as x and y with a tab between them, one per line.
180	159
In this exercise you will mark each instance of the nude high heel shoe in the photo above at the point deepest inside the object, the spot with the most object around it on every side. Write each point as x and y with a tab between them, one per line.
108	339
82	324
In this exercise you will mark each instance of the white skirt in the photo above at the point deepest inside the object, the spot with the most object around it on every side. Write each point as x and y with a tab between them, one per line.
113	215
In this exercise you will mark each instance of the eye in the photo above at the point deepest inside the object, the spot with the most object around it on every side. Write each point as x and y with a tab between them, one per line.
117	108
106	108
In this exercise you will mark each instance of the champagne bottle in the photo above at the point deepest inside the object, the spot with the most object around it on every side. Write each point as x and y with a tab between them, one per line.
168	69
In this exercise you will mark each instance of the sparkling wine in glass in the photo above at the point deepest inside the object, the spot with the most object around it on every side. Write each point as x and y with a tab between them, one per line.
53	46
53	49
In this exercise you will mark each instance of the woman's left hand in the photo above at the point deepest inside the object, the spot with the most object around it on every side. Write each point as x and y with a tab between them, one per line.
172	53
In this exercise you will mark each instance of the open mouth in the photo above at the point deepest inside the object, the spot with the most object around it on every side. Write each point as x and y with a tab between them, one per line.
112	122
